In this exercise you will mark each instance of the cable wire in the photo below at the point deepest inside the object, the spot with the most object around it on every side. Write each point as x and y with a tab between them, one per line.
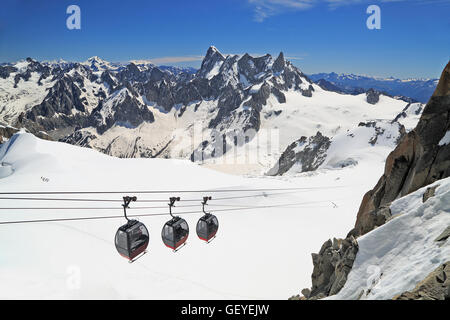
142	200
137	215
164	191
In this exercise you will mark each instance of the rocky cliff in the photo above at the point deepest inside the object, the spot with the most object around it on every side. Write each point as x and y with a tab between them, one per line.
421	158
418	160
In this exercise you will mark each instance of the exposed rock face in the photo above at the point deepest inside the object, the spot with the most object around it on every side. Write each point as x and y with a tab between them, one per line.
6	132
79	138
307	152
429	193
80	96
436	286
64	99
122	109
417	161
327	85
372	96
212	59
5	71
331	266
444	235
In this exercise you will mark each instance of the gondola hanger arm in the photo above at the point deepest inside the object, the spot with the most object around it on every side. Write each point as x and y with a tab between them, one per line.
172	204
126	204
204	203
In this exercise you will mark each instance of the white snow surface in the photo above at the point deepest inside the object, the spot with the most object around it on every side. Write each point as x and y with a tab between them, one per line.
445	139
396	256
262	253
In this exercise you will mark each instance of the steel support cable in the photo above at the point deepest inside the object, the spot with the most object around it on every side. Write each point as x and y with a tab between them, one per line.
166	191
158	207
138	215
143	200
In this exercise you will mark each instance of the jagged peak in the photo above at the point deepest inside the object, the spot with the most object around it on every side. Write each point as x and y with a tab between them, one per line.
443	87
210	64
213	52
95	59
96	63
28	59
279	63
212	49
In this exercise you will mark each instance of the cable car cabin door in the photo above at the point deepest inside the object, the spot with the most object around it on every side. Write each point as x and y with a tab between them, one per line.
207	228
132	240
137	240
175	234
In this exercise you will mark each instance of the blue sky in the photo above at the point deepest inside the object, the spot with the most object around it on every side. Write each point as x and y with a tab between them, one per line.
317	35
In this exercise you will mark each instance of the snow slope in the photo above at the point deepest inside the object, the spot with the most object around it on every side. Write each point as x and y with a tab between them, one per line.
261	253
396	256
328	112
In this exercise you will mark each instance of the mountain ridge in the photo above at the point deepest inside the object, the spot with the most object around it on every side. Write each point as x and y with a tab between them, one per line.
419	89
231	98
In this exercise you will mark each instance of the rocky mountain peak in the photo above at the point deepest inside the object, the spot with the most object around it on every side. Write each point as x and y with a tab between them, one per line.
372	96
279	63
443	87
212	50
212	62
96	63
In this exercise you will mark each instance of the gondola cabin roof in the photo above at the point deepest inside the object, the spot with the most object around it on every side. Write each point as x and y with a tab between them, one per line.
175	221
129	224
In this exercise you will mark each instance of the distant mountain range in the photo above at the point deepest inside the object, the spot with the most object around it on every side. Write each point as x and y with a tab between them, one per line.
138	109
417	89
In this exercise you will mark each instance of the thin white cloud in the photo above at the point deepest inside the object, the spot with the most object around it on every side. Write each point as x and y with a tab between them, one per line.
264	9
162	60
333	4
295	57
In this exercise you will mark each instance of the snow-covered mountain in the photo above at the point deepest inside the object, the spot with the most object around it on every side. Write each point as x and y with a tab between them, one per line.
347	148
233	105
418	89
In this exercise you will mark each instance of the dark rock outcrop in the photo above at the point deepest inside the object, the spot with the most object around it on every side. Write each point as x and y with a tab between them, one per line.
63	99
5	71
372	96
331	267
329	86
6	132
126	111
309	152
429	193
417	161
444	235
79	138
436	286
